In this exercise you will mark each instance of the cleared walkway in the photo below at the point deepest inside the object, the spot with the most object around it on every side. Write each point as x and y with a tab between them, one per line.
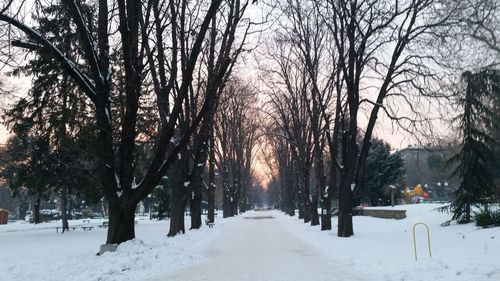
259	249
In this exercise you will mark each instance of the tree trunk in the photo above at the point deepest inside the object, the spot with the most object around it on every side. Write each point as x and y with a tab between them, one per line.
326	206
243	198
314	210
300	202
211	178
211	203
326	201
467	212
227	206
103	208
324	193
195	206
177	207
287	194
121	221
290	202
227	202
319	184
36	210
243	205
24	206
64	208
234	206
305	197
392	197
70	205
179	197
326	216
345	228
235	198
290	194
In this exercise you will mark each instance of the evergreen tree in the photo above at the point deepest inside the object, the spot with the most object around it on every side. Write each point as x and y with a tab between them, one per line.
26	168
160	199
476	162
54	116
382	170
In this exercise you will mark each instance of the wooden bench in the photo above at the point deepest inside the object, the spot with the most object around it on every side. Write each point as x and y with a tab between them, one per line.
104	224
210	224
86	221
71	227
85	228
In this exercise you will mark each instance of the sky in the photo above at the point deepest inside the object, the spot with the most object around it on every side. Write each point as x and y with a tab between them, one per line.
385	130
394	135
19	86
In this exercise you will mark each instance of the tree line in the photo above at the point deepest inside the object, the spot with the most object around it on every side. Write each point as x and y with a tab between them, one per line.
127	94
333	68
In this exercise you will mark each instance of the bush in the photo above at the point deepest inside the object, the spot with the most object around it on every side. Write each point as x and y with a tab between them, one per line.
496	218
484	218
488	218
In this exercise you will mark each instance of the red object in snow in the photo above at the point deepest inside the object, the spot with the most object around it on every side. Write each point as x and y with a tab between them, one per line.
4	216
426	195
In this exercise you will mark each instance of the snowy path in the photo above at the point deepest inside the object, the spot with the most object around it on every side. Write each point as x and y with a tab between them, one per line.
260	248
283	248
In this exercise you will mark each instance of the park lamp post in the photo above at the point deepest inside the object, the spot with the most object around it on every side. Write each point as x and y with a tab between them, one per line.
149	204
439	186
426	189
393	189
445	187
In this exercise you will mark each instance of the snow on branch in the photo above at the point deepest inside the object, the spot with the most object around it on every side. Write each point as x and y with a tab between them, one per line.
82	80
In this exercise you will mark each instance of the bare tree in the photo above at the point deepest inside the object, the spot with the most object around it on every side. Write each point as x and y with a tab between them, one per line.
301	32
220	55
154	38
278	158
376	40
289	96
237	135
309	39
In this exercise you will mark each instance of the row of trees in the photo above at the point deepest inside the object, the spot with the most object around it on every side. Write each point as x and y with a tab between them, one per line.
338	64
143	90
122	91
237	129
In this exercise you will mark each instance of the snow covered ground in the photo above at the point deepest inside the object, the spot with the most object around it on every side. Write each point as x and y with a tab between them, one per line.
37	252
382	249
259	248
281	248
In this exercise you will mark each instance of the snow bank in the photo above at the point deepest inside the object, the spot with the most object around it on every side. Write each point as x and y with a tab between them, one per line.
382	249
37	252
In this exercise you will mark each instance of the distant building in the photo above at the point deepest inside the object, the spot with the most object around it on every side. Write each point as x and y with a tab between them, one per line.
426	166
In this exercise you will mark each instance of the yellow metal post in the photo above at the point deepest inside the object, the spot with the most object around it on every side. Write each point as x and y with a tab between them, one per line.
415	239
